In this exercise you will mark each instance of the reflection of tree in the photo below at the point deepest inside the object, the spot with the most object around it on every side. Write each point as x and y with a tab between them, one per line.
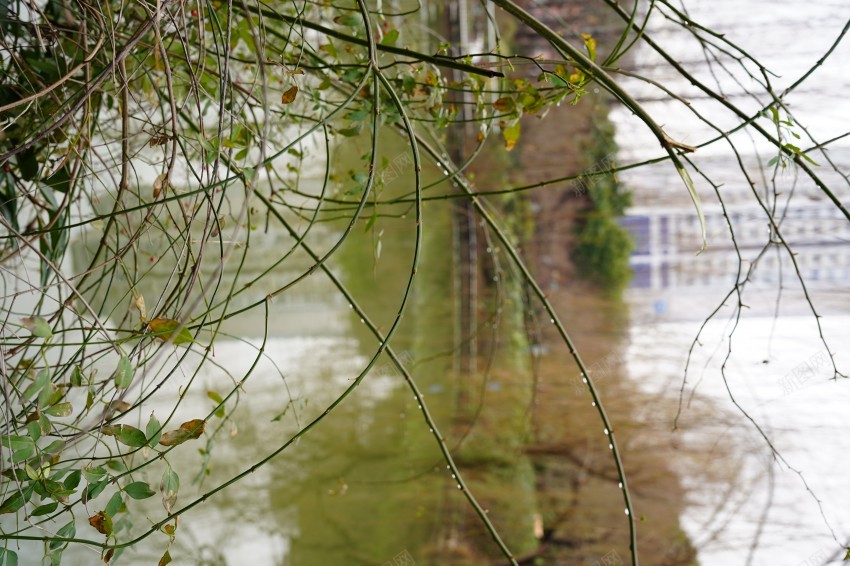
175	139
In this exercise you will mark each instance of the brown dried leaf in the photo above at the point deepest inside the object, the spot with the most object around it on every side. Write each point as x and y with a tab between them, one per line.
159	185
289	96
504	103
188	431
102	522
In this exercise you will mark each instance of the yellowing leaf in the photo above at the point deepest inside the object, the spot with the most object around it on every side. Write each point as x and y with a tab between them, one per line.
505	103
59	410
390	37
511	135
169	487
164	328
590	45
289	96
38	326
188	431
102	522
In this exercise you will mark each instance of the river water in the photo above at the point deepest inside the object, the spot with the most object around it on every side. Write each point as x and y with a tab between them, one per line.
787	506
368	485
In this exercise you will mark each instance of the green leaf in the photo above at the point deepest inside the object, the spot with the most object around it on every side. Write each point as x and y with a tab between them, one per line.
220	413
348	20
44	423
93	474
124	373
34	430
139	490
241	154
54	489
153	431
55	447
44	509
31	473
15	442
166	559
169	487
164	328
113	507
68	531
117	466
408	82
774	113
353	75
390	37
73	480
95	489
17	500
76	376
41	380
809	159
28	164
49	395
10	557
23	453
350	132
357	115
38	326
60	180
127	435
692	191
60	410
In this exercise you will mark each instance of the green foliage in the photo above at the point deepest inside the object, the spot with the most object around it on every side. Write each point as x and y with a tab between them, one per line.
162	141
602	250
147	147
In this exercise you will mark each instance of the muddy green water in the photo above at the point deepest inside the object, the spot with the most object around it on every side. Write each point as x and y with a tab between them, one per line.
368	484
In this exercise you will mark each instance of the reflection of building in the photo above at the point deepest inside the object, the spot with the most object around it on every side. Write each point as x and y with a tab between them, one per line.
667	241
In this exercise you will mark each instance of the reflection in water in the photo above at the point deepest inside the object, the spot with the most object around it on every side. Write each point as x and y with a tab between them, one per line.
665	240
763	382
368	485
